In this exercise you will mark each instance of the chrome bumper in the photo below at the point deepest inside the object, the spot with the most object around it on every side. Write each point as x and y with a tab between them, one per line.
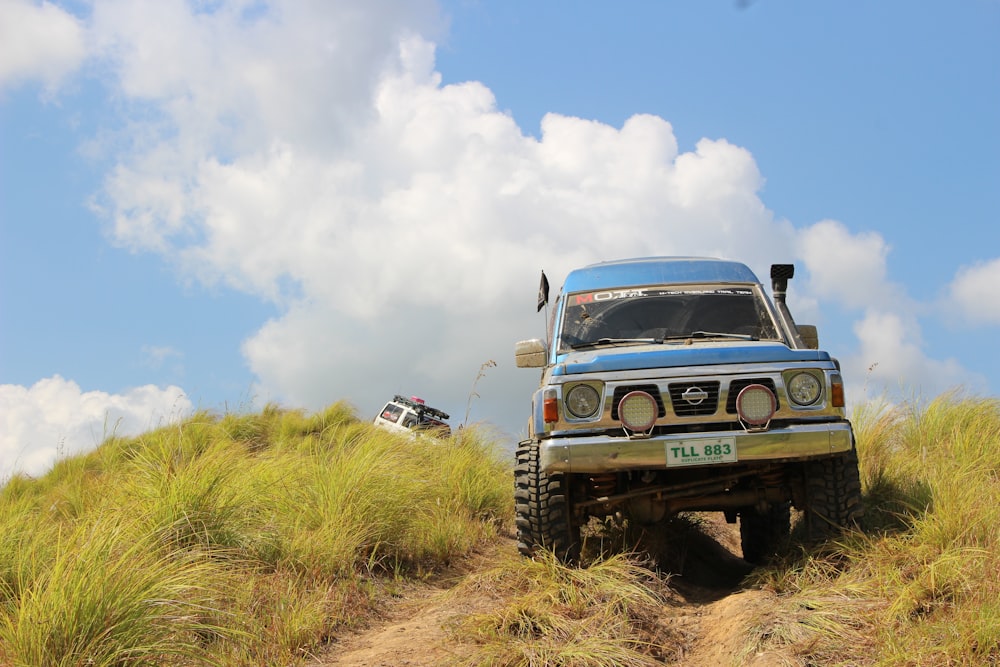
604	454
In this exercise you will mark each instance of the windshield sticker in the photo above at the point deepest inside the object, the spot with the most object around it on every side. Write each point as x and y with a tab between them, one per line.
612	295
593	297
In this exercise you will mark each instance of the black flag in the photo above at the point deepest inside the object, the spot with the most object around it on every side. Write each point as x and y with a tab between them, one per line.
543	292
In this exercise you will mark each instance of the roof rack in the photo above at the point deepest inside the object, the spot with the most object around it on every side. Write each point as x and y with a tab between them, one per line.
420	407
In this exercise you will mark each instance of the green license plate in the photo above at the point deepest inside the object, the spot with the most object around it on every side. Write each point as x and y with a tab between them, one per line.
701	451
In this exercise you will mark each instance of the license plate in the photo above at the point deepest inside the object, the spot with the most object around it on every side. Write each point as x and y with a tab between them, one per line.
701	451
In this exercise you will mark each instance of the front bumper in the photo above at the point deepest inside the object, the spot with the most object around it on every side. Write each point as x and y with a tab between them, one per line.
605	454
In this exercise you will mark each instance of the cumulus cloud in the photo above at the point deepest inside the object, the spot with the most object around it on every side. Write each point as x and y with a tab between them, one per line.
38	41
401	223
974	295
891	359
412	257
847	268
54	418
308	154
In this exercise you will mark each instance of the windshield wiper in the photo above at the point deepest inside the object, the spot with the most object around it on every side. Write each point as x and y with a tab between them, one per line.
648	341
711	334
614	341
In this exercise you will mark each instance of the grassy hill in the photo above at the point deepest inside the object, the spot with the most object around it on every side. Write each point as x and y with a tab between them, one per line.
256	539
234	540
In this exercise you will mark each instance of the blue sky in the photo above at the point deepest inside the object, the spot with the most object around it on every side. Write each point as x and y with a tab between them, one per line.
213	205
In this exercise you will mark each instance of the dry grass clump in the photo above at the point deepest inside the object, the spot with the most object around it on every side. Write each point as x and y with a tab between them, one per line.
547	613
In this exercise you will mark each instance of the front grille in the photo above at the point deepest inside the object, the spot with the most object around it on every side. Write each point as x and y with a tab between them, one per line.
688	398
650	389
736	386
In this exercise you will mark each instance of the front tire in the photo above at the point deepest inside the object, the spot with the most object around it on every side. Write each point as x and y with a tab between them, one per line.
542	508
833	495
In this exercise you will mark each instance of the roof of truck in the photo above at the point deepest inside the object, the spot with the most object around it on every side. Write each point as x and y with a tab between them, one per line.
657	271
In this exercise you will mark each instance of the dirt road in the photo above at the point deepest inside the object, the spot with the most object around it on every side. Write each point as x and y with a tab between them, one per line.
711	613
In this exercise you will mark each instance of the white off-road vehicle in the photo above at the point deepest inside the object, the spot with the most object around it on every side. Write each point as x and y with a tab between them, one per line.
676	384
413	416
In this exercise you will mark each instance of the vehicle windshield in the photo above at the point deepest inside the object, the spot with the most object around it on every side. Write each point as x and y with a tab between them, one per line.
655	314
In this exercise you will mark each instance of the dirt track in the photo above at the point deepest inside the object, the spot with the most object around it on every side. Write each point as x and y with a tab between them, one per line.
711	613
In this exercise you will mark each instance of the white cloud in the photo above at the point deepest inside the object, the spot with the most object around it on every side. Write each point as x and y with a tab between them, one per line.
889	356
54	418
307	153
973	293
847	268
891	360
38	41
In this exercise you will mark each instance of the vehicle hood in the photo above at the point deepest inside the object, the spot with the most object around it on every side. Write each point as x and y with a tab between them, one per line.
670	355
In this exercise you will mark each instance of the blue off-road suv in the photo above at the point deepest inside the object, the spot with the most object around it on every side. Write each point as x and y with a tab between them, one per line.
676	384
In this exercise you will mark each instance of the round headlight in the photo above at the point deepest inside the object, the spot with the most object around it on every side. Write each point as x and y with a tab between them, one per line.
583	401
804	389
755	404
638	411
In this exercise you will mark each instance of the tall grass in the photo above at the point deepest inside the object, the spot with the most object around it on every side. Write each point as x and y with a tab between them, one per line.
919	585
106	598
252	539
244	539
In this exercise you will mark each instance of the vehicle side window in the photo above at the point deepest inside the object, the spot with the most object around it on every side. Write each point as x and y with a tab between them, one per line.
391	413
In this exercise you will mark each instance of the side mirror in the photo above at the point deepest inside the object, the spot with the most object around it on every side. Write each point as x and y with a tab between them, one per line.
530	353
809	336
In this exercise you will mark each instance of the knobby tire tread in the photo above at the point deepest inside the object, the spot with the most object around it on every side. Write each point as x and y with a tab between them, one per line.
833	488
541	508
